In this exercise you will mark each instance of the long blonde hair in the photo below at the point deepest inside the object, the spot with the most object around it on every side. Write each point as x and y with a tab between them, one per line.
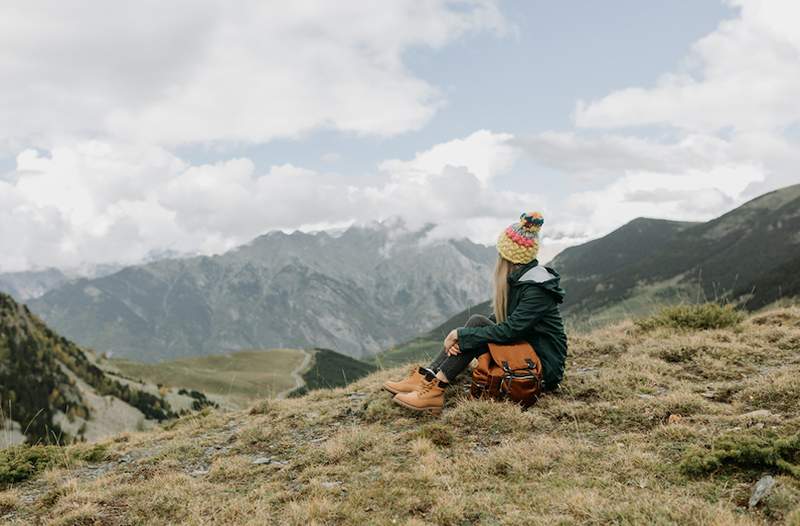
502	269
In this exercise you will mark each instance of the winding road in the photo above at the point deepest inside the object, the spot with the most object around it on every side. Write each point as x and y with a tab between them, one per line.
298	380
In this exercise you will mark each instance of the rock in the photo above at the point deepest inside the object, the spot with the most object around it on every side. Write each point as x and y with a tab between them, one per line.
754	415
330	484
761	490
262	460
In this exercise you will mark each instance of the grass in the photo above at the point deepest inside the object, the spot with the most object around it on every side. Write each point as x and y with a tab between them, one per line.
19	463
241	376
650	426
701	316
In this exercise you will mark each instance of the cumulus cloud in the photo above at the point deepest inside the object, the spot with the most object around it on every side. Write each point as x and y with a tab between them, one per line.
745	75
483	153
104	202
201	71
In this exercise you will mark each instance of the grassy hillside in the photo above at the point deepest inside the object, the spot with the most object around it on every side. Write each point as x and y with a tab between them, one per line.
239	377
665	421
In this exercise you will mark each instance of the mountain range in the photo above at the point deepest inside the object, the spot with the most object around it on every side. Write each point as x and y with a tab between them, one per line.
357	292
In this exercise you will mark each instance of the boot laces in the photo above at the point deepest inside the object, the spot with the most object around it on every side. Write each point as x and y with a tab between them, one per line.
427	386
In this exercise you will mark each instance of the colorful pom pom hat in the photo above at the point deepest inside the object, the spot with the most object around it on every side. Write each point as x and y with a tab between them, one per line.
519	243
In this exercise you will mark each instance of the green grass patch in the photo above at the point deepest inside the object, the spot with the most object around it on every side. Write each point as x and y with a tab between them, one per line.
703	316
745	452
19	463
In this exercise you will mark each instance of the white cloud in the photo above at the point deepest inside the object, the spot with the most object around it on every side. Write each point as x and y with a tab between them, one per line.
727	112
745	75
201	71
483	153
103	202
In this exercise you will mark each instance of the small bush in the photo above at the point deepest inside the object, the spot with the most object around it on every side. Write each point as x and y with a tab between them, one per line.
693	317
20	463
737	452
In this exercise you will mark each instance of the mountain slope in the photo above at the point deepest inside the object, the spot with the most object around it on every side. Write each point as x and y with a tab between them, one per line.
750	250
52	390
357	293
665	425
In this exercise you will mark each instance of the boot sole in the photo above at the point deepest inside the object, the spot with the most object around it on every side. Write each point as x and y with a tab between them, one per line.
432	410
394	391
387	388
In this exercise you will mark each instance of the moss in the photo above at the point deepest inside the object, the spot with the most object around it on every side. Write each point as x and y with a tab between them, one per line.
745	452
693	317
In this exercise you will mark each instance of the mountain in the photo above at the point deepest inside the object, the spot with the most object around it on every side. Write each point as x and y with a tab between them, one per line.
657	422
748	255
357	292
52	390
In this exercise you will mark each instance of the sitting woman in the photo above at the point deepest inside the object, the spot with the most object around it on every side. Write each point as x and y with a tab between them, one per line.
526	298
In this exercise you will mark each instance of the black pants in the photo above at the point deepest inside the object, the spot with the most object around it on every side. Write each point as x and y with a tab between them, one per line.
451	366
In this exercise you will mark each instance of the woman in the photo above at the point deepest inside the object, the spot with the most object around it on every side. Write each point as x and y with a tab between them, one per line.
526	298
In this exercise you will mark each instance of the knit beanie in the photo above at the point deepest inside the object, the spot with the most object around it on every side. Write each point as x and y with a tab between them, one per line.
519	243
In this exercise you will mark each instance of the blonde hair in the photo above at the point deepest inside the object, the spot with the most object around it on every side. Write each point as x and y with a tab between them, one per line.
502	269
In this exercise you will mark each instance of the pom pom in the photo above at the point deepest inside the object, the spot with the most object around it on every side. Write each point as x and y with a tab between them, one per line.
531	220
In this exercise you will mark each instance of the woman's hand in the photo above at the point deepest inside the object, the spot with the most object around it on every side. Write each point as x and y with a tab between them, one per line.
451	343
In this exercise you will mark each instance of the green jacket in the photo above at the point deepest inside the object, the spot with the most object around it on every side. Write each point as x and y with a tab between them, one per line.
533	316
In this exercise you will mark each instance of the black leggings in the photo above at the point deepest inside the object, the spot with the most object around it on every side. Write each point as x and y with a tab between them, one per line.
451	366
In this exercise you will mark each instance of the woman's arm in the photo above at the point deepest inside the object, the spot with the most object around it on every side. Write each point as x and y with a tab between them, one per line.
532	305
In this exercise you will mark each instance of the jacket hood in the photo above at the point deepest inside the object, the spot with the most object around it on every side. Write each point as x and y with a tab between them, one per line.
541	276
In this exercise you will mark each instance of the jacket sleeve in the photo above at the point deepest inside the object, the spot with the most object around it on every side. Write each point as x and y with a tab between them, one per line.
533	303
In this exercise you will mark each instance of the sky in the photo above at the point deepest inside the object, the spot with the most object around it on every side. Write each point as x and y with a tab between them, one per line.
131	129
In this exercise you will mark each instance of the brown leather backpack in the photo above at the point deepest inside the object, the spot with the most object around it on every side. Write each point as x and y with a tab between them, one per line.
508	372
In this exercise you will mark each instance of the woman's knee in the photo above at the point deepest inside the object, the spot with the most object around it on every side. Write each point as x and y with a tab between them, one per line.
476	320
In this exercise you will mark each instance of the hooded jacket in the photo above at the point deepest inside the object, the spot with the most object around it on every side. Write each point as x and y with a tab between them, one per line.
534	294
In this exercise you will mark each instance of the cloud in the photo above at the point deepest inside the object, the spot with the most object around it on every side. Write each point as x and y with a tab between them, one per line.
106	202
745	76
691	196
615	154
483	153
208	70
702	140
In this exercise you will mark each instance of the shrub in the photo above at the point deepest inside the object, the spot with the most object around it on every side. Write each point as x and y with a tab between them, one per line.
22	462
693	317
745	452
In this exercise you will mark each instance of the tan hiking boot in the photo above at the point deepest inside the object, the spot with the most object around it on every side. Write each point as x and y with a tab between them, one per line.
412	382
429	398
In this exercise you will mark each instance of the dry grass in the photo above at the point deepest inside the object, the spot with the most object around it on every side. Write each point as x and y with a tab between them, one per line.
609	448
